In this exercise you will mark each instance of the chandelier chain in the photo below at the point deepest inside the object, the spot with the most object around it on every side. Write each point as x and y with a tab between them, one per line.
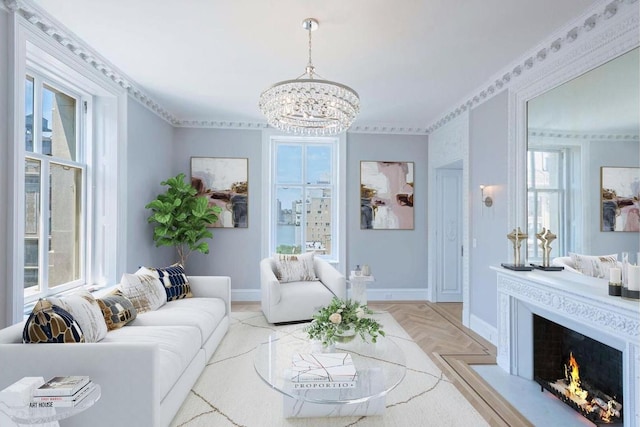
310	67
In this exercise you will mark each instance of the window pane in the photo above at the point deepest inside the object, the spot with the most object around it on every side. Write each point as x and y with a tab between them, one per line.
318	236
31	223
288	229
546	169
64	220
58	124
289	164
28	114
319	161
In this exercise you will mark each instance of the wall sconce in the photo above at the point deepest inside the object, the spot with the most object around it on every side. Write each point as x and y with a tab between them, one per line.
486	200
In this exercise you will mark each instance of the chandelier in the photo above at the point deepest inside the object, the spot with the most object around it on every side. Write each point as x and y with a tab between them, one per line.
308	105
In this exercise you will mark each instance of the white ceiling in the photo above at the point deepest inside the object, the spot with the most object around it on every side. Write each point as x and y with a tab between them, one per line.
411	61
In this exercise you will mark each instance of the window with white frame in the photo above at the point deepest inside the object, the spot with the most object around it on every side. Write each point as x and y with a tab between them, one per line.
547	202
55	185
304	196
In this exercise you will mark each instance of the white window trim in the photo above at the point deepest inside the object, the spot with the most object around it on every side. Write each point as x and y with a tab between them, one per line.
269	136
106	252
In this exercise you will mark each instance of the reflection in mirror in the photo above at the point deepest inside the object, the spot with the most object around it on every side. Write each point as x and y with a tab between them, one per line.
575	129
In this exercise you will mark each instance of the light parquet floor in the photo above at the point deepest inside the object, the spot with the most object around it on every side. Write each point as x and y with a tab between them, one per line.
437	328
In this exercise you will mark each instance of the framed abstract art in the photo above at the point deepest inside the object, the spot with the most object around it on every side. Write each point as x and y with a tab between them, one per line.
386	195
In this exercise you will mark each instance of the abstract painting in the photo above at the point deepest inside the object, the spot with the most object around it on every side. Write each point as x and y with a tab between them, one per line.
225	182
620	191
386	195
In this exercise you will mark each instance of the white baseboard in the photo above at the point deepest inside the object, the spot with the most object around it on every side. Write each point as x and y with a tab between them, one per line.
484	329
404	294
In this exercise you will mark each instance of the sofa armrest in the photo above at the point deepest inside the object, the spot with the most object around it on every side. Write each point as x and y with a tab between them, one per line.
212	287
331	278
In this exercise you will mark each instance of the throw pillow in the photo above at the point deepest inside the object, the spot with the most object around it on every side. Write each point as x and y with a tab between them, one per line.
173	278
594	265
48	323
295	267
85	309
145	291
117	310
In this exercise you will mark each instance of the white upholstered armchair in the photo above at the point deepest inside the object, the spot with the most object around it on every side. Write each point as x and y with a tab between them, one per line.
294	301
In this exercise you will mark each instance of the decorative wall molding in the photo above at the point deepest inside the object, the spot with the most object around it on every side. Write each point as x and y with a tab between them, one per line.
44	23
621	13
388	129
589	136
220	124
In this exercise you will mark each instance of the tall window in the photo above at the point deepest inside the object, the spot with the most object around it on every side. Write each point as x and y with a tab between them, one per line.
304	196
547	183
54	188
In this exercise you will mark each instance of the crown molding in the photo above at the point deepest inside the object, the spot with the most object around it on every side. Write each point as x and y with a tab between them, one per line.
623	12
591	136
388	129
221	124
55	31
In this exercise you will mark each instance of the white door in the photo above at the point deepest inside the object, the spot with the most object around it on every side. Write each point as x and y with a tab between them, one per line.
449	250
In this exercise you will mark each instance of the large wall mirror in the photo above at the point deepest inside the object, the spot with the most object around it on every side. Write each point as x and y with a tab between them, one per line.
573	131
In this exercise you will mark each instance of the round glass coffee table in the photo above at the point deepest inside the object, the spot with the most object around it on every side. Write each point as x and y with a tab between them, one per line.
380	367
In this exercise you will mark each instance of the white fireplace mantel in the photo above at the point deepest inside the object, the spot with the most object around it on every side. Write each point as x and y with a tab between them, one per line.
576	302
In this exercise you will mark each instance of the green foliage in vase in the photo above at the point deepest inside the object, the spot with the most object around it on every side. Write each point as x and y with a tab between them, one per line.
181	218
341	316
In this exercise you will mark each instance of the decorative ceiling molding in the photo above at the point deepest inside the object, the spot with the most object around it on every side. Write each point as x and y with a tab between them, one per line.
40	20
592	136
387	129
219	124
595	16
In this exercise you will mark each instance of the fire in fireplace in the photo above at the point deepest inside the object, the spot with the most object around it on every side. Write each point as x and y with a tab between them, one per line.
593	389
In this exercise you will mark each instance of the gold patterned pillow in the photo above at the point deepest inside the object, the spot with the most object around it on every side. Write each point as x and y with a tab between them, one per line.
48	323
85	309
594	265
117	310
295	267
173	278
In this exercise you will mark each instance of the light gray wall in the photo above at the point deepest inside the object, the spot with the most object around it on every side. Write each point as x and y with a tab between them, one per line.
487	166
398	258
4	173
233	252
604	153
149	162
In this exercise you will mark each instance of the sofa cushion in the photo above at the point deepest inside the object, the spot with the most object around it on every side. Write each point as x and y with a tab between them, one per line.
117	310
85	309
48	323
145	291
202	313
594	265
173	278
178	345
294	267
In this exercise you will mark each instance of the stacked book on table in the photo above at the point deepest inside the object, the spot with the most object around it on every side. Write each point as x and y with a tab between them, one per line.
61	392
323	371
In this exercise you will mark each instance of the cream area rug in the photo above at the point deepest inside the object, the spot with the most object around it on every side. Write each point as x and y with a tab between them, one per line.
230	393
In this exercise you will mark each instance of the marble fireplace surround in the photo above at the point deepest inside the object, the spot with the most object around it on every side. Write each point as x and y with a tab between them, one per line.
576	302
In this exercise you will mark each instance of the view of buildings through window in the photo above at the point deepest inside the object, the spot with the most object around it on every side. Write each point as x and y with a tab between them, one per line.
304	188
54	186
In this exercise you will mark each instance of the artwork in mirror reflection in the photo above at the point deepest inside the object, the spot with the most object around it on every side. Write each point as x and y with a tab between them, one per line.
224	181
620	192
386	195
574	130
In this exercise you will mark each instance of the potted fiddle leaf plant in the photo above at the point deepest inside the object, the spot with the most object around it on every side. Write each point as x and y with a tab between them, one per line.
181	218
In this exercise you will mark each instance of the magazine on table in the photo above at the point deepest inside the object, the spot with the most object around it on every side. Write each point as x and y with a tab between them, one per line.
63	401
62	386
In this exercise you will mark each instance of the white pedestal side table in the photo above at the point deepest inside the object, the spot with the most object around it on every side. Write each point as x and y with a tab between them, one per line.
359	287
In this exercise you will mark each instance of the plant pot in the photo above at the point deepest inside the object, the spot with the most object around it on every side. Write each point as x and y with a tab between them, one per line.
345	336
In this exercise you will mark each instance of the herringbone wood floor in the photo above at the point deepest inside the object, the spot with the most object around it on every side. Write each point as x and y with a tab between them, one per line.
438	330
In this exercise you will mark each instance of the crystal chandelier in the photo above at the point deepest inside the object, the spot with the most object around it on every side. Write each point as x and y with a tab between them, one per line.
307	105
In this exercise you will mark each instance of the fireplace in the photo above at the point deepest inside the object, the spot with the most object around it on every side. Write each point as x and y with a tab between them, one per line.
584	373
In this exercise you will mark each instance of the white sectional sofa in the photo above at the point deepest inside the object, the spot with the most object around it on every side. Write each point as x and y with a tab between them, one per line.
145	368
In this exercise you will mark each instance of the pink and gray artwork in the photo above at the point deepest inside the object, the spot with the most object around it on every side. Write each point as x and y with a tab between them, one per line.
386	195
620	194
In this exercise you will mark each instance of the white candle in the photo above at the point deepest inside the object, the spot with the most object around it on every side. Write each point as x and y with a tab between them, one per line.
615	275
634	277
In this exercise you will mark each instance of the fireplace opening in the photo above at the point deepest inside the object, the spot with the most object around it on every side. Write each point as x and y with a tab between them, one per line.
582	372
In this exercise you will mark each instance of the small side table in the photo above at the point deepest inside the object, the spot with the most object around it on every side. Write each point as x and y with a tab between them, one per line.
359	287
23	415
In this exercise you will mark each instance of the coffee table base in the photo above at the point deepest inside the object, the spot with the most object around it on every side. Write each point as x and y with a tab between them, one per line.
302	408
